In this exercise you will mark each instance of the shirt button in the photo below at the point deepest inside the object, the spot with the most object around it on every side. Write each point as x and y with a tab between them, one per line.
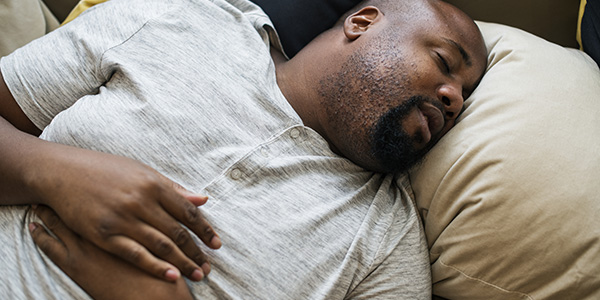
236	174
295	133
264	152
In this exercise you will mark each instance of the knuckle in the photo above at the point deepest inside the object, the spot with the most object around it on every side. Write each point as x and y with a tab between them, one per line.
147	186
52	221
163	248
151	183
105	228
208	232
133	254
181	236
192	214
133	203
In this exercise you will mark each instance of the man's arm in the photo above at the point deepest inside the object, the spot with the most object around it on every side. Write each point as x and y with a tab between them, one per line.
101	275
121	205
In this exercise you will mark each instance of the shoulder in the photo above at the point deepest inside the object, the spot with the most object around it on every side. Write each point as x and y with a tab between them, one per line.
399	268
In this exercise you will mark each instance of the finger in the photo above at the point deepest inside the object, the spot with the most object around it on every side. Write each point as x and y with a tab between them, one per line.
170	241
137	254
188	214
52	247
56	247
56	225
196	199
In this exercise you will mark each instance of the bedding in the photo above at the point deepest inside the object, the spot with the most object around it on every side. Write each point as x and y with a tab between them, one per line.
510	197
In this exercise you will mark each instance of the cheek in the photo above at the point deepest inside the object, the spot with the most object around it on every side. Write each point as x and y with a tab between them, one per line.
426	77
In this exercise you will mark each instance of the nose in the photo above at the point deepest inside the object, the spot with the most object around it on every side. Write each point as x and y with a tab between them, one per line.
450	94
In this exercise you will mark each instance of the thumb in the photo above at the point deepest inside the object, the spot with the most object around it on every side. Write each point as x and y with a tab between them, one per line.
194	198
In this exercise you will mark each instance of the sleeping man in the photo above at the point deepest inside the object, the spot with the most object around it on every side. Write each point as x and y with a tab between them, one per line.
135	108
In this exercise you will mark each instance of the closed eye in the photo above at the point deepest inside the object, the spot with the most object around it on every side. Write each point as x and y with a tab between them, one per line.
445	65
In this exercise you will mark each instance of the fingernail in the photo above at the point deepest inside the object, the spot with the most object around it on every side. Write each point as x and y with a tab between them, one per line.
32	227
205	268
216	242
197	275
172	275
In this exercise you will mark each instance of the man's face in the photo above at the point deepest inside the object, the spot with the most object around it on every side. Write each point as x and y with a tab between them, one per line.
394	98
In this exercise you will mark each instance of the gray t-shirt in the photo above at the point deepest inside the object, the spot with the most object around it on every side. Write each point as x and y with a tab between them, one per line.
188	87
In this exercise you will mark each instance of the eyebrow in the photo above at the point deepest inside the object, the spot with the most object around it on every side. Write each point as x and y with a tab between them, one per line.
466	57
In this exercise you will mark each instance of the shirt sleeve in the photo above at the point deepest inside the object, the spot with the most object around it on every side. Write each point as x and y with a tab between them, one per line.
51	73
403	275
401	269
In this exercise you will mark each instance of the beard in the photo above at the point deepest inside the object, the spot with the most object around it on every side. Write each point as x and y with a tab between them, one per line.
393	148
366	102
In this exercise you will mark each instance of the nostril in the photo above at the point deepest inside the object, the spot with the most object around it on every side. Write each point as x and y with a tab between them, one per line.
446	101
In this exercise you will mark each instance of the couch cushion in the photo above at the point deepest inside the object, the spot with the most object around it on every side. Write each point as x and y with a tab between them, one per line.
510	197
589	29
299	21
22	21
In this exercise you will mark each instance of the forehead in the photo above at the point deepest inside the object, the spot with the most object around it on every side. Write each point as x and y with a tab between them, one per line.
451	25
440	26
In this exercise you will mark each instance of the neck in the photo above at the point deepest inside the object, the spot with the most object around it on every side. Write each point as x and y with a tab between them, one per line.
298	86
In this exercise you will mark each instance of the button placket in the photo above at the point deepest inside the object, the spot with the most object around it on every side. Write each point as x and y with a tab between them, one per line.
235	174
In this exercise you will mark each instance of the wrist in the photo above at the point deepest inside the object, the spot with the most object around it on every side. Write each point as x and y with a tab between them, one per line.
18	152
39	174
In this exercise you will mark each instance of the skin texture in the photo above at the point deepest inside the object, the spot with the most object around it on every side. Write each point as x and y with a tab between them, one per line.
68	254
138	216
385	61
386	75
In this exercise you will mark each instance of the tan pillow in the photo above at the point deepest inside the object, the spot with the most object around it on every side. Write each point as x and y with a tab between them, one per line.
511	196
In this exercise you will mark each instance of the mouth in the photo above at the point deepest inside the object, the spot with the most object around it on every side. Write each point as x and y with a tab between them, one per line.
431	121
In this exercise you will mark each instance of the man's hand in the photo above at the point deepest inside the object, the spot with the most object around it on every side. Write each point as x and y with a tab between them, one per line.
127	209
119	204
100	274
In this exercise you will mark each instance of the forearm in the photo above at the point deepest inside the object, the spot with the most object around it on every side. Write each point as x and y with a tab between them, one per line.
120	204
17	158
18	147
35	171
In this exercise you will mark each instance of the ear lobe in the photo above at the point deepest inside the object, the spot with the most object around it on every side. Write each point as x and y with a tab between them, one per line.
359	22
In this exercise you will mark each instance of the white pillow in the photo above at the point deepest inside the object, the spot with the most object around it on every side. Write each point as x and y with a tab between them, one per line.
510	197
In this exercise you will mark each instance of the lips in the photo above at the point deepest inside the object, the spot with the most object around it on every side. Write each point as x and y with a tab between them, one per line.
432	122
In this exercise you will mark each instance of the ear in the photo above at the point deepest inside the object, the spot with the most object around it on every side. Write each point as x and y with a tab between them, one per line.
359	22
